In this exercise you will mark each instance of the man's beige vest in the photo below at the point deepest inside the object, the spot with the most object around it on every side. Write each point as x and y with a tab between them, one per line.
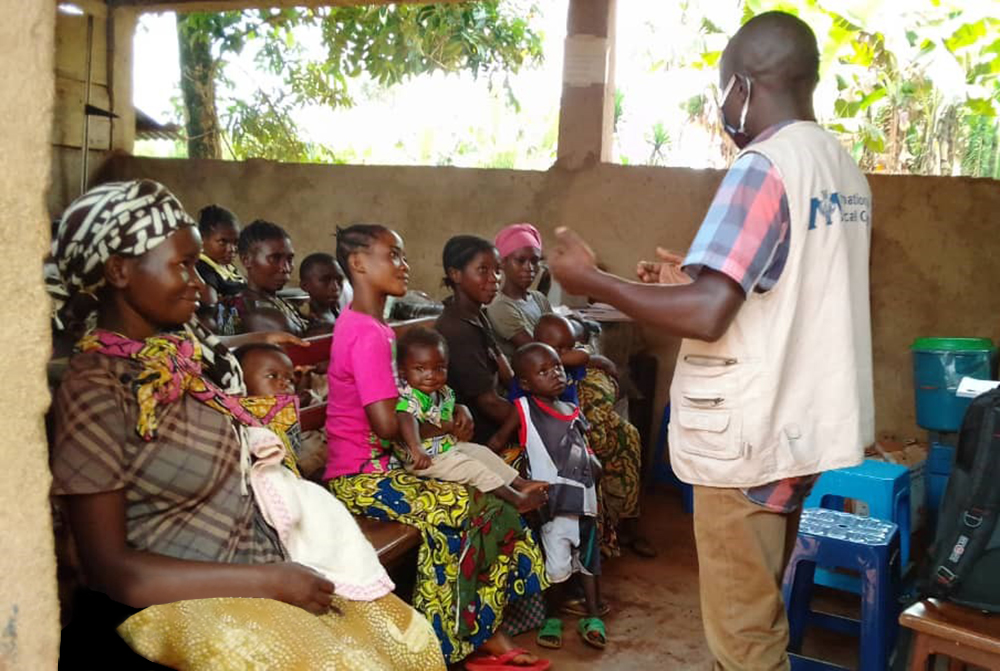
787	390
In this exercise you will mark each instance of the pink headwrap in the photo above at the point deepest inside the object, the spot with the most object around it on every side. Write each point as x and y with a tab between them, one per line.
514	237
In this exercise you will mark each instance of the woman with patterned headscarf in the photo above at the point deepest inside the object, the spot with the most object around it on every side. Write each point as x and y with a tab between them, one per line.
147	458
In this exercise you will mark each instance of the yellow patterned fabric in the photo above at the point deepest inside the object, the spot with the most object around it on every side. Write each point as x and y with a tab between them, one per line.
248	634
229	273
442	512
281	415
172	365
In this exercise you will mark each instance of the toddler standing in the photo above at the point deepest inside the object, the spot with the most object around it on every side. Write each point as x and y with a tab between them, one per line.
553	433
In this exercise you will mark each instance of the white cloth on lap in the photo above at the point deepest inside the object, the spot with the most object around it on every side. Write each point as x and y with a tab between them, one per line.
315	528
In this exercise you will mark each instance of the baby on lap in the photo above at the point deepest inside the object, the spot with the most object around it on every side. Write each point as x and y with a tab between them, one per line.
314	527
426	413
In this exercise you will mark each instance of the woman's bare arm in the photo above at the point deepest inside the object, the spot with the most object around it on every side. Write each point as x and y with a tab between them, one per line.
493	406
141	579
383	419
502	437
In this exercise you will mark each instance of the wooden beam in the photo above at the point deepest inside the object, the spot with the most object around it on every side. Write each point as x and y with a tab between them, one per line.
231	5
121	34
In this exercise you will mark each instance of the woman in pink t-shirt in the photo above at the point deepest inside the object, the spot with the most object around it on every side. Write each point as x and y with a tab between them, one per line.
360	425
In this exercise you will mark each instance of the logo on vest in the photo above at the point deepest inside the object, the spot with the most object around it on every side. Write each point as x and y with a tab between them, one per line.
832	207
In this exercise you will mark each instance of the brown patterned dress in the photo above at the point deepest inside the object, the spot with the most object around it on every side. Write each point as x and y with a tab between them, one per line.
182	490
183	499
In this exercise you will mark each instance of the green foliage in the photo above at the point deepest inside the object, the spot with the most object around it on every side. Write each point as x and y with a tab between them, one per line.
390	43
262	129
619	108
889	110
659	141
982	150
902	122
695	106
393	42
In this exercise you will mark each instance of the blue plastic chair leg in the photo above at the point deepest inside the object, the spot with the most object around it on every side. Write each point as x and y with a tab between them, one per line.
687	491
662	473
903	512
874	555
661	468
797	595
879	628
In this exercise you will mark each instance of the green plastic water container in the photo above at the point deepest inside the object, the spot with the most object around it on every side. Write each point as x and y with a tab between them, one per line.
939	364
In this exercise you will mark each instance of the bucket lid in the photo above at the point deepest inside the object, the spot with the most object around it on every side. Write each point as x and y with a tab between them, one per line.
953	344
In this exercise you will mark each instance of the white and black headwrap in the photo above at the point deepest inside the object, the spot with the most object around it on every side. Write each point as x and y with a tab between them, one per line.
126	219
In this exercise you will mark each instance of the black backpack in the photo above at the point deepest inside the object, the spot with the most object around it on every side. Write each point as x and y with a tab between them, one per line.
965	557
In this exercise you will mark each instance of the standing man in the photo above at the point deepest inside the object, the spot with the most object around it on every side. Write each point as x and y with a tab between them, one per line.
773	383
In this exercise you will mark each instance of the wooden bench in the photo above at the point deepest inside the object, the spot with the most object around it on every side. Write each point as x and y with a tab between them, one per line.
318	350
964	635
391	540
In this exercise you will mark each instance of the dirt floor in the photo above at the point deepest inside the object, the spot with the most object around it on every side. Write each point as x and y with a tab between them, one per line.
655	621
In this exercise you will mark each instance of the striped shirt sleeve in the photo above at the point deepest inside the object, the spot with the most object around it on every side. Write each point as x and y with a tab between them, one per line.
745	233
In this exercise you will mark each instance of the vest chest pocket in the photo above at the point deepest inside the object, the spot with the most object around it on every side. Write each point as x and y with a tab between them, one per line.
709	419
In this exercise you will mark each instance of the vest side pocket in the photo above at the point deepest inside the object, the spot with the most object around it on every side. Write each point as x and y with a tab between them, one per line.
711	422
709	433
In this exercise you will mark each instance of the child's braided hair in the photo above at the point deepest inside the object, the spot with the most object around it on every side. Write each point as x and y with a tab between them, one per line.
353	239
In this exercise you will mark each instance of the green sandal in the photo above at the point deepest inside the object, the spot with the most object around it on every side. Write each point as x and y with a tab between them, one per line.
592	632
550	635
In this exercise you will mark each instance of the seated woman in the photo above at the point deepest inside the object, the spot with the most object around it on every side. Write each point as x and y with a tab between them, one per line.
517	308
477	554
267	254
478	369
220	232
514	315
150	467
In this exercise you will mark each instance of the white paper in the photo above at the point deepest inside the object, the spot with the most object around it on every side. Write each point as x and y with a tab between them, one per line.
585	61
970	387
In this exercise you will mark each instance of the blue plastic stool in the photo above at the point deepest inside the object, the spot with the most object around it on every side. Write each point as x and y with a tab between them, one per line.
864	544
662	473
884	487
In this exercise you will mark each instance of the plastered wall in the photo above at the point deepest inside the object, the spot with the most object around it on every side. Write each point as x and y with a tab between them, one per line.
29	619
935	247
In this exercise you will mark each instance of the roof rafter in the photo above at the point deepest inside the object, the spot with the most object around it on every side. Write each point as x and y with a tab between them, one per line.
230	5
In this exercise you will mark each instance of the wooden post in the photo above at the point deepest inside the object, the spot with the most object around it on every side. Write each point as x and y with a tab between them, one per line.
122	23
586	115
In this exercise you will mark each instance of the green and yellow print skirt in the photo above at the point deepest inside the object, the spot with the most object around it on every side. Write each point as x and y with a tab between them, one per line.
510	567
